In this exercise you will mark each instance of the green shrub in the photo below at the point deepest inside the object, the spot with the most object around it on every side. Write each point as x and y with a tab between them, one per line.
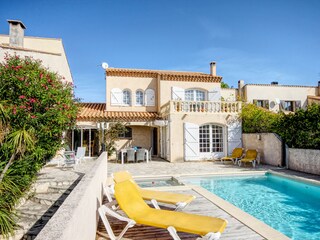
298	130
38	105
257	120
301	129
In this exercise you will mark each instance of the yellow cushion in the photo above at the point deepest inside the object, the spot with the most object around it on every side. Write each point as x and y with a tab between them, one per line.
247	159
165	197
131	202
236	153
251	153
121	176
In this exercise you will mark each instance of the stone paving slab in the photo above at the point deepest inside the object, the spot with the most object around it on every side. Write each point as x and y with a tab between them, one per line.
164	168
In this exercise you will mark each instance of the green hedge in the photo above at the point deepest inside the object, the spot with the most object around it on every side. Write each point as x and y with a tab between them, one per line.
299	130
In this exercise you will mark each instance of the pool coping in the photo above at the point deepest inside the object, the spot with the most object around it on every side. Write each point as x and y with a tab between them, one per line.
248	220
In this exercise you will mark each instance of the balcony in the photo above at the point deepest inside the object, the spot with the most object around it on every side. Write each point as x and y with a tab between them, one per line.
200	107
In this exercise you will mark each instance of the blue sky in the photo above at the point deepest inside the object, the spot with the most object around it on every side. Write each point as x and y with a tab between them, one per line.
259	41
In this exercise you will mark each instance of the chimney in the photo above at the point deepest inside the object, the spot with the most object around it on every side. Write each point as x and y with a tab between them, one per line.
213	69
16	33
241	90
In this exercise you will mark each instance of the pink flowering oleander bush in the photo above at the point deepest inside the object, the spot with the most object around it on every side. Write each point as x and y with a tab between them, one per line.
39	101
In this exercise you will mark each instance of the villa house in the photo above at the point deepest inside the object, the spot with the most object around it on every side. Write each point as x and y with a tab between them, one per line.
49	50
275	97
179	115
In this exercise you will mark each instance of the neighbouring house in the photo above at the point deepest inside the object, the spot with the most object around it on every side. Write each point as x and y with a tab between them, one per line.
49	50
179	115
274	97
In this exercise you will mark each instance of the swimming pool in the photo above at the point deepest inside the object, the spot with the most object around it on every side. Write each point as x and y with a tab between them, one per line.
289	206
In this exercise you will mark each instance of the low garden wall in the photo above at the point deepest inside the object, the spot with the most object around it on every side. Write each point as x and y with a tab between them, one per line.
304	160
77	217
269	146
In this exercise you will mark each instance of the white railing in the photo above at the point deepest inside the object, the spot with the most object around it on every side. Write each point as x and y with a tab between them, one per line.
200	107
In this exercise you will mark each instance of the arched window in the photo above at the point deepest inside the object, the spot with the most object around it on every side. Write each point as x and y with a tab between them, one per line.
139	98
126	97
210	138
194	95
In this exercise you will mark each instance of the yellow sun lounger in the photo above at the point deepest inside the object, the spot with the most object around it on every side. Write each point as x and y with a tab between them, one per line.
251	157
138	212
235	156
178	199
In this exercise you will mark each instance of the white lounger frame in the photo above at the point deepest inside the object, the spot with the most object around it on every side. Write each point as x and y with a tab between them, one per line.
105	210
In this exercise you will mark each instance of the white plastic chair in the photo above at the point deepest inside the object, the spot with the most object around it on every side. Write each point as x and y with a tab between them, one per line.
81	151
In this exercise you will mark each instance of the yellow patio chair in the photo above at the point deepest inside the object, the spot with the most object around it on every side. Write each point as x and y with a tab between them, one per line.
177	199
250	157
235	156
138	212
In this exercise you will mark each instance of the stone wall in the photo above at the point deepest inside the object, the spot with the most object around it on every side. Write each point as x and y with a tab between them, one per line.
77	217
304	160
269	146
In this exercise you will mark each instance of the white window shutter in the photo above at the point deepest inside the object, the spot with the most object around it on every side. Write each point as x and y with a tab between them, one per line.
116	97
177	93
234	136
150	98
215	94
191	142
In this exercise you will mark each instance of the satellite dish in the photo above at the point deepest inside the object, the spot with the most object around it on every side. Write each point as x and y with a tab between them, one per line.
277	101
104	65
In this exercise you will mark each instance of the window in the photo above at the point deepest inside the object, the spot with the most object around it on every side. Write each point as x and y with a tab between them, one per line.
126	97
150	97
139	98
127	134
194	95
261	103
290	106
210	138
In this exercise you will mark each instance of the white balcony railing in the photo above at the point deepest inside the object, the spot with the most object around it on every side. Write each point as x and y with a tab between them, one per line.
200	107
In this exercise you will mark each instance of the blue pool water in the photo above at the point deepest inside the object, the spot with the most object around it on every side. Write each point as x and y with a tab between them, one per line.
291	207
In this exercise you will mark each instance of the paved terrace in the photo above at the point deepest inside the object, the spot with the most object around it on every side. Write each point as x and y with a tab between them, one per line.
204	204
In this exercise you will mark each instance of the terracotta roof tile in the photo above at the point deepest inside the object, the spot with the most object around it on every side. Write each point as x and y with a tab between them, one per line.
96	112
163	75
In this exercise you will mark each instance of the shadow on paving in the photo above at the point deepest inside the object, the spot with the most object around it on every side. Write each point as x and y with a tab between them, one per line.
44	219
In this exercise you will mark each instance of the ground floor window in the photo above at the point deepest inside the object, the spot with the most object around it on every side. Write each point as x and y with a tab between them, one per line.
210	138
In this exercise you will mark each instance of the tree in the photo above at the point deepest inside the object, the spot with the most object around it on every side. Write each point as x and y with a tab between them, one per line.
224	85
111	134
36	106
19	142
257	120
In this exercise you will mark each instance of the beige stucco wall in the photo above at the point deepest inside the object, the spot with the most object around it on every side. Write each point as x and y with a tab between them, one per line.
229	94
133	84
55	58
165	88
77	217
176	130
268	145
141	136
271	92
304	160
